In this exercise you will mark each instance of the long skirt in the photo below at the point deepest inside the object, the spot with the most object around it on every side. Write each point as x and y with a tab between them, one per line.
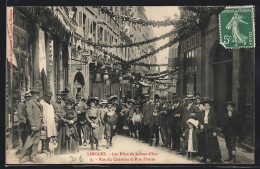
95	133
67	140
210	145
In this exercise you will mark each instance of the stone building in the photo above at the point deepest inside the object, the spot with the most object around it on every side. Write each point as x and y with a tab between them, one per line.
222	74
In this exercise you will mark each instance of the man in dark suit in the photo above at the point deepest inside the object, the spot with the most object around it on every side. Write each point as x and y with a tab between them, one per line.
231	130
163	120
154	127
147	115
81	109
34	121
190	111
176	128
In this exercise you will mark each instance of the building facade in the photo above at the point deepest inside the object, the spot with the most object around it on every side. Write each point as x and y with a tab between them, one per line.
222	74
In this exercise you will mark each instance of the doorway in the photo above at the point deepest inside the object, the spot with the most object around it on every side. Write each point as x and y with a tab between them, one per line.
223	70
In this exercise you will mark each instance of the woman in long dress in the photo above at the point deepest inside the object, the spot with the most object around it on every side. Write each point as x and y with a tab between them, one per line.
94	122
68	135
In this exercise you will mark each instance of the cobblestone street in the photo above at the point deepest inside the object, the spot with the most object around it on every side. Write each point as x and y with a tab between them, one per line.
126	146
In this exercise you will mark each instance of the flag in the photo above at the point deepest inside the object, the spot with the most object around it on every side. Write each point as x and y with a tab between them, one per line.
9	37
42	52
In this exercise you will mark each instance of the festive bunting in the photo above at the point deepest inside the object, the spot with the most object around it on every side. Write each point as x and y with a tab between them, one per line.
134	44
133	20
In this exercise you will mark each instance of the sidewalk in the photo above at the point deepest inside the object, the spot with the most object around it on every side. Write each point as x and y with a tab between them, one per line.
243	156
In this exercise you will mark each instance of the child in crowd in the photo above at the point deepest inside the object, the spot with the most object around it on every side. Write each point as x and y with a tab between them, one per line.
191	138
137	118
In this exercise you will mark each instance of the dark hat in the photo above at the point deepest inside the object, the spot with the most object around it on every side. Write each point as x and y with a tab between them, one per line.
69	101
78	95
197	95
163	98
28	95
48	93
207	100
156	96
114	97
190	97
94	100
230	103
34	90
131	101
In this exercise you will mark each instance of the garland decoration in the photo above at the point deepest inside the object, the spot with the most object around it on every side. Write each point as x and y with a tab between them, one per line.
133	44
143	56
150	65
134	20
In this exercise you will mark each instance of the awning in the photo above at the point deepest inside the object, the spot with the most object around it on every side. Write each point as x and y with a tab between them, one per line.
144	84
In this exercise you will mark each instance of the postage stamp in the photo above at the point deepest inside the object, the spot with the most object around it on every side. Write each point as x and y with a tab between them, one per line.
236	26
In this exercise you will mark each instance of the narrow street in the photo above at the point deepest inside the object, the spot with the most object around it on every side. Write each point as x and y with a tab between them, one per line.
124	150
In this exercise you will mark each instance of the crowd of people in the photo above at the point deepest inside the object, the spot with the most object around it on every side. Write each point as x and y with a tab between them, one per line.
186	126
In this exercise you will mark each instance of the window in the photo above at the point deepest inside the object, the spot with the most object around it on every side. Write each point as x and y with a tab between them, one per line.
80	19
105	35
190	60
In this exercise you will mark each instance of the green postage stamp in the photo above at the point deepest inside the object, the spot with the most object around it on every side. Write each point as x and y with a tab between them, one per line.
236	26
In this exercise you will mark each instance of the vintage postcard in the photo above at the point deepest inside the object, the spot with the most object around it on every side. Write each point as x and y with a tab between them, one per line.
130	85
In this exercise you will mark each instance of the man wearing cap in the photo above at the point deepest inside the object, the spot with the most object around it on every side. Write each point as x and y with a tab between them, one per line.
34	122
147	117
231	130
21	109
81	109
48	120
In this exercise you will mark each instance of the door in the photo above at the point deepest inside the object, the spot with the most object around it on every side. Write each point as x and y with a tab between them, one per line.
223	70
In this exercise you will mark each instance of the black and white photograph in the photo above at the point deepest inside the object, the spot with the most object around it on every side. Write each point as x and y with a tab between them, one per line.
130	85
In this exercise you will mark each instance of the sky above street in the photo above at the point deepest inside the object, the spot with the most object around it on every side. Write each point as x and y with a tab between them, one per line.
161	13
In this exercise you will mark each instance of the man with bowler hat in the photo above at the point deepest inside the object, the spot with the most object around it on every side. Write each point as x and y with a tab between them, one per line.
34	122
